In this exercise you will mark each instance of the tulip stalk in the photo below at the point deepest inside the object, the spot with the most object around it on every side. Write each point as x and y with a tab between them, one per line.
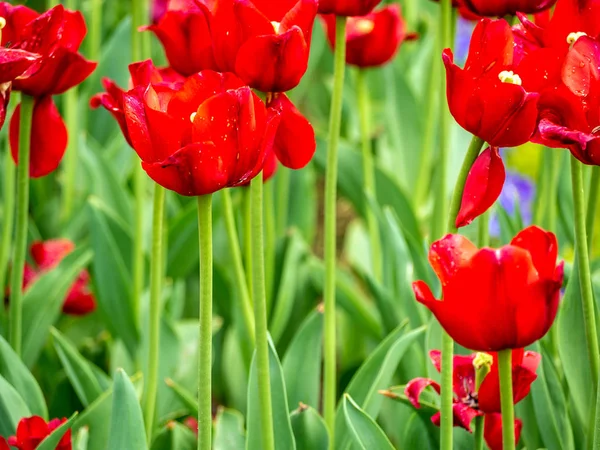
260	314
369	186
283	196
20	245
156	276
269	242
592	205
506	399
205	330
335	124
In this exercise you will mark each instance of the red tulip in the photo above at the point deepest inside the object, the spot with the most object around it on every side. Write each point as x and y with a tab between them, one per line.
492	431
265	43
512	317
185	36
48	137
486	97
347	7
47	255
31	431
371	40
483	187
501	8
13	63
210	133
3	444
55	36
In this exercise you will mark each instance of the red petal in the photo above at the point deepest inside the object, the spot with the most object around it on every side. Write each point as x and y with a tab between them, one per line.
50	253
32	429
3	444
14	62
543	248
48	137
492	431
303	16
347	7
295	142
581	66
112	101
463	416
450	254
463	372
492	46
80	301
483	187
416	386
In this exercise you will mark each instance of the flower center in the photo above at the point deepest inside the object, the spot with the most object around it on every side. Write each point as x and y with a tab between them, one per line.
276	26
483	360
508	76
364	26
573	37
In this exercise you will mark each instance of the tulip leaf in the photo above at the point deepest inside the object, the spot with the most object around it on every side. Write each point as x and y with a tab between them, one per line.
81	440
51	441
229	430
310	430
282	428
302	362
375	374
78	370
175	436
365	433
127	424
186	397
12	408
183	235
17	374
43	301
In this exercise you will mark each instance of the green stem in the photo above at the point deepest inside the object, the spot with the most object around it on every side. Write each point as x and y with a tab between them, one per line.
269	243
478	432
70	167
552	190
8	217
483	227
247	214
156	276
592	205
260	314
20	246
481	371
583	261
238	266
335	125
205	346
506	399
283	198
95	33
364	108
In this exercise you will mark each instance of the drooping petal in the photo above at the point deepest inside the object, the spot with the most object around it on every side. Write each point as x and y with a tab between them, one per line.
15	62
414	388
463	373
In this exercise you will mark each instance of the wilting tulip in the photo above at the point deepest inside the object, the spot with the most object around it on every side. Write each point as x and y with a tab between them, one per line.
501	8
265	43
347	7
486	97
512	317
371	40
31	431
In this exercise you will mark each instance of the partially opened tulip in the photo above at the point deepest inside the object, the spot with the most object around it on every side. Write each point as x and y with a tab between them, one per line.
519	313
347	7
31	431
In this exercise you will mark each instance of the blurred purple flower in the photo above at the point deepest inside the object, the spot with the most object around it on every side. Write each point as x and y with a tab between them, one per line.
518	192
464	30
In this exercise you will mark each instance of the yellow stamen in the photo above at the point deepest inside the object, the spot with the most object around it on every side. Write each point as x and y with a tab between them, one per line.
192	117
276	26
508	76
573	37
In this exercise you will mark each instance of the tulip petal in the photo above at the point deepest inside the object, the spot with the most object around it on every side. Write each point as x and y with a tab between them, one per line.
450	254
543	248
14	62
112	101
47	254
580	69
492	46
414	388
463	373
80	301
492	430
483	187
347	7
302	15
48	137
463	416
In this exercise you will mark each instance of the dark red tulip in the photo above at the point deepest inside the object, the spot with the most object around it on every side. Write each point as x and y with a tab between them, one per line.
371	40
265	43
347	7
501	8
295	142
210	133
31	431
48	137
512	317
3	444
47	255
483	187
486	97
185	35
55	36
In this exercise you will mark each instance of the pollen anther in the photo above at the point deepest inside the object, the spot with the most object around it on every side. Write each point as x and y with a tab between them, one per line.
508	76
573	37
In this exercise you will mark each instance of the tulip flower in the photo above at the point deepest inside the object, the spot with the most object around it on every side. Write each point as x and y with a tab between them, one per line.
483	186
265	43
469	402
347	7
371	40
487	97
47	255
13	63
498	319
501	8
31	431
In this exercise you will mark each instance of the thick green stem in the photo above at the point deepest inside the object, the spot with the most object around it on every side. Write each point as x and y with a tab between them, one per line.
247	215
156	277
283	197
20	245
95	34
8	217
238	266
260	315
269	243
205	346
335	124
592	205
506	399
483	230
70	165
369	186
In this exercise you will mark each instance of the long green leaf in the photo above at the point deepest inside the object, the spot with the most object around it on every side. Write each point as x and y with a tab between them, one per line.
186	397
365	433
12	408
51	441
310	430
174	436
229	430
127	424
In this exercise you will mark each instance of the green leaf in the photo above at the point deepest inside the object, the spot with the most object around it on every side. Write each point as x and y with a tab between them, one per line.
229	430
17	374
82	438
78	370
51	441
310	430
186	397
284	437
365	433
375	374
302	362
111	241
12	408
183	235
43	301
127	424
175	436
